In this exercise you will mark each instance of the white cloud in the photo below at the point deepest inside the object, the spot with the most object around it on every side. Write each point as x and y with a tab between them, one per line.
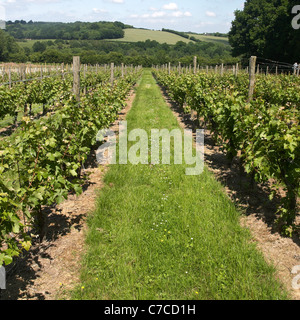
210	14
170	6
158	14
96	10
179	14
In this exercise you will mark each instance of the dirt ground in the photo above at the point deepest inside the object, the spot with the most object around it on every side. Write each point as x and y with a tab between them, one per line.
51	268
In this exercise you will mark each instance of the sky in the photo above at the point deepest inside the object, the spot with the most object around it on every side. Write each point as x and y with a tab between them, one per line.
189	15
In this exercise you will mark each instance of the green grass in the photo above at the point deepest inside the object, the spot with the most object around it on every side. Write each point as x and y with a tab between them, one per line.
28	43
159	234
135	35
207	38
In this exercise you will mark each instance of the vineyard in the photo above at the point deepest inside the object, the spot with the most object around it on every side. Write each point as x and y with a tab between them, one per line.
156	233
42	160
263	132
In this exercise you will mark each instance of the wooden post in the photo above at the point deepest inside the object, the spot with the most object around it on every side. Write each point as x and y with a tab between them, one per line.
195	65
84	71
84	77
62	71
179	68
222	69
236	69
252	69
169	68
112	73
9	77
76	77
122	70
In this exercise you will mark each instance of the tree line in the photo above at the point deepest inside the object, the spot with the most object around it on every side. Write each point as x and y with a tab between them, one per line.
20	29
145	53
264	28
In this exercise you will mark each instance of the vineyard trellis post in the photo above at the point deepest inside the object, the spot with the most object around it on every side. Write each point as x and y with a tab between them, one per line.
112	67
9	77
195	65
252	68
76	77
236	69
62	71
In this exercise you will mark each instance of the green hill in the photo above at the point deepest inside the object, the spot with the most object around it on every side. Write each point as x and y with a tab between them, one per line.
210	38
135	35
102	30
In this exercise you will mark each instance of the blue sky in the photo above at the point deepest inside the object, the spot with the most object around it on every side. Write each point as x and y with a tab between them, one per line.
188	15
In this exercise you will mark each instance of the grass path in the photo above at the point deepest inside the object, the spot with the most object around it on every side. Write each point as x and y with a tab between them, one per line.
159	234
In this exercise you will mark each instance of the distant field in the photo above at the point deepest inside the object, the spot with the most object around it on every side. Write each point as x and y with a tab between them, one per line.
210	38
29	43
135	35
